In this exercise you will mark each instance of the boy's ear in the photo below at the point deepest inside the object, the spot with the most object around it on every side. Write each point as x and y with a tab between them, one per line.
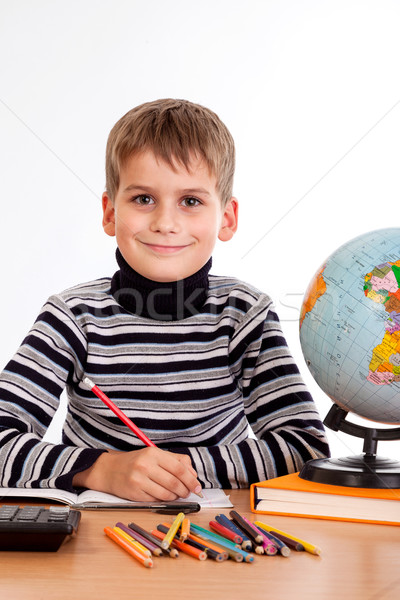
108	215
229	220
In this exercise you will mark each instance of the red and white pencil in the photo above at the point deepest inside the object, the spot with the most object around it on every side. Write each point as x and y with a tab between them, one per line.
138	432
126	420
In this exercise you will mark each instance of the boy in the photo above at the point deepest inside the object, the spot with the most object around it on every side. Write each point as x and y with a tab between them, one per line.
191	358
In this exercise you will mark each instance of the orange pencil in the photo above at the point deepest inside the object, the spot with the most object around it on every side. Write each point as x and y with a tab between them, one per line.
137	545
145	560
173	552
213	554
227	552
185	529
207	543
195	552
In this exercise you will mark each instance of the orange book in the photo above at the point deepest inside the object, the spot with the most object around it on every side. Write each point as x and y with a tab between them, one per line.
291	496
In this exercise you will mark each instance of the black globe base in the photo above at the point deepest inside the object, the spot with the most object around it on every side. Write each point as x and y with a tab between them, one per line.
365	470
354	471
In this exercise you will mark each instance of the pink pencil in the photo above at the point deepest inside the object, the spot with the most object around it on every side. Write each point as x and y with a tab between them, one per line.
118	412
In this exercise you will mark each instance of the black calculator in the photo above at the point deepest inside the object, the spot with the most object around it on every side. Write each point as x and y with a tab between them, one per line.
36	528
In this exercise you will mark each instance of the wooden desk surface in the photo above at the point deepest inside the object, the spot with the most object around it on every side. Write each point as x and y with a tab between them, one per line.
358	561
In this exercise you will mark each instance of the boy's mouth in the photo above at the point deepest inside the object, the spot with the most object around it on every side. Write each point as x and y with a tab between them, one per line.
165	249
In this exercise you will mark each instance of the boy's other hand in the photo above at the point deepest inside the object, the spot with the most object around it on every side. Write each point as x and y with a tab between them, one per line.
142	475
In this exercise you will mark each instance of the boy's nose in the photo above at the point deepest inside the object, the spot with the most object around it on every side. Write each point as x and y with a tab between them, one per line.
165	220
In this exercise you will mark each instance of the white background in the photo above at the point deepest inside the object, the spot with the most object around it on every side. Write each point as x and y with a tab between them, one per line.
310	90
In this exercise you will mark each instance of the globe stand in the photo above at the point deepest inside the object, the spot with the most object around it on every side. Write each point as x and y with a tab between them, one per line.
366	470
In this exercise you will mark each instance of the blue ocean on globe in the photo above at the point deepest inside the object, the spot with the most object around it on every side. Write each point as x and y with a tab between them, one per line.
350	326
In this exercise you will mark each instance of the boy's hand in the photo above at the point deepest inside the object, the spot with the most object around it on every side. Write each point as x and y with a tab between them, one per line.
143	475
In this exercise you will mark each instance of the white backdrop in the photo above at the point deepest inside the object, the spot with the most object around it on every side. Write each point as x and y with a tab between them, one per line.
309	89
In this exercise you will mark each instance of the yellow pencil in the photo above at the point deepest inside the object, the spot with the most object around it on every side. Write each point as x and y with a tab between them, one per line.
307	546
185	529
169	536
132	541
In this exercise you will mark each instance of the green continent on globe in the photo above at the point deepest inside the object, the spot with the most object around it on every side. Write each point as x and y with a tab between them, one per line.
382	286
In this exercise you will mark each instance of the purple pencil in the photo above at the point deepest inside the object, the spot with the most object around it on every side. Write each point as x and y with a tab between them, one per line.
139	538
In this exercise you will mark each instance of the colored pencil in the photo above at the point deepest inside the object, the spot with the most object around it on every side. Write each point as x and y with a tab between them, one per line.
169	536
247	544
307	546
225	532
146	534
270	549
144	560
122	416
165	526
213	554
289	542
219	556
282	547
235	554
246	526
183	546
139	547
154	549
210	545
185	529
223	542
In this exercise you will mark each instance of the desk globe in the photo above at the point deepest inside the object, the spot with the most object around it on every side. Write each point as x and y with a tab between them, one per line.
350	338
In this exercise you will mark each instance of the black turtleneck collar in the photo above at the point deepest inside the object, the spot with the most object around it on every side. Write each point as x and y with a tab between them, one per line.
163	301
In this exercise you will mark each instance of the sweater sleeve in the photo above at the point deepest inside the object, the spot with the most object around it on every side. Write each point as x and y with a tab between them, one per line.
51	357
286	429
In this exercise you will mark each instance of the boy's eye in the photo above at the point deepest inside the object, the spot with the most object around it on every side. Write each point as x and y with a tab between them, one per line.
191	202
143	200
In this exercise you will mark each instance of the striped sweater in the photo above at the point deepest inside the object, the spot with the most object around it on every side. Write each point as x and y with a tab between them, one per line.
195	386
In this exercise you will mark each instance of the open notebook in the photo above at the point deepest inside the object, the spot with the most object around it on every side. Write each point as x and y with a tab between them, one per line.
213	498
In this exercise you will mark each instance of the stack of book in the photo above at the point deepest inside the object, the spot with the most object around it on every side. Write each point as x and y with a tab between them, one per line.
292	496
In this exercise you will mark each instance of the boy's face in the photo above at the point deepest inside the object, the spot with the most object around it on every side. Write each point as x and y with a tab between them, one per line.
166	221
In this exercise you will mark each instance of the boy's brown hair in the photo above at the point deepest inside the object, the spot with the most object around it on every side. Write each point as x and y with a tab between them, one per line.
175	130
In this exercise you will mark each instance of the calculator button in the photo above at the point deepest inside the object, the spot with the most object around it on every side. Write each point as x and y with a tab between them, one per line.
29	513
58	513
8	512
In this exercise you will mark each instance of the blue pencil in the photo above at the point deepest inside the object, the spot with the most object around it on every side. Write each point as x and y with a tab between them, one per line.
247	544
